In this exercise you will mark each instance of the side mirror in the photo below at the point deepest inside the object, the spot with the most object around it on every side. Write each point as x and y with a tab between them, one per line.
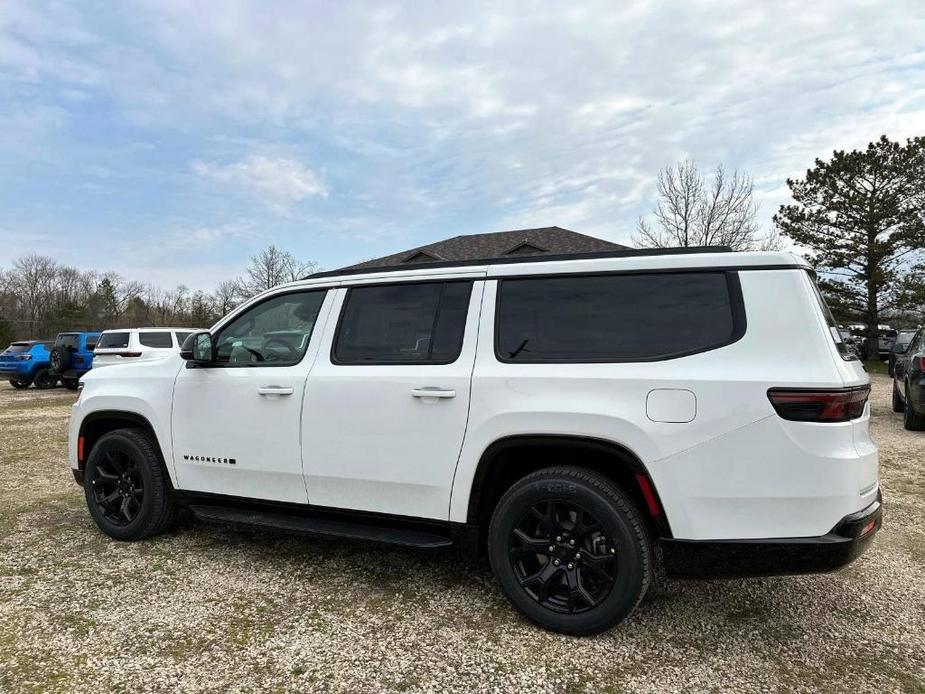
198	348
900	349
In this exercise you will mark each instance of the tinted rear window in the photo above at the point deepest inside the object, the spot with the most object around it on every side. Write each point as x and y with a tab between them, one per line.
403	324
71	341
157	340
612	318
113	341
181	338
18	347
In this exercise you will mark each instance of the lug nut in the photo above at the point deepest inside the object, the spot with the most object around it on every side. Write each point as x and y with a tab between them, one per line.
613	551
578	555
571	566
552	548
556	562
572	542
558	538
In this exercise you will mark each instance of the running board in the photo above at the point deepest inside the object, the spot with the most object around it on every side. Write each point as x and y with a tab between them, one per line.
319	527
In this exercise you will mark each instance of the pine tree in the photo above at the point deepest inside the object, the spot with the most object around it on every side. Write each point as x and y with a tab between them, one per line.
861	216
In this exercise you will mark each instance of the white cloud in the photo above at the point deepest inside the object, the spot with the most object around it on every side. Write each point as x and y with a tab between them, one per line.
279	183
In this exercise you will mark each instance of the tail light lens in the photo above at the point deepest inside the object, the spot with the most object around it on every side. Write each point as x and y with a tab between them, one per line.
23	357
810	405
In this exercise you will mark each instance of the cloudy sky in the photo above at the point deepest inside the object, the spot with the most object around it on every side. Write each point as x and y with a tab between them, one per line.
171	140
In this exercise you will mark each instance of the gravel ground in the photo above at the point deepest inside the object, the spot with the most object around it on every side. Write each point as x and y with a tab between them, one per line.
205	608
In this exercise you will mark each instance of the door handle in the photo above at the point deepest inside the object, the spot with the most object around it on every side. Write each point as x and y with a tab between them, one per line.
274	390
430	392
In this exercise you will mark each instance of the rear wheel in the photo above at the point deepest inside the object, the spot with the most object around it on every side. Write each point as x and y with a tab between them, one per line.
570	550
127	491
898	404
912	420
19	385
43	379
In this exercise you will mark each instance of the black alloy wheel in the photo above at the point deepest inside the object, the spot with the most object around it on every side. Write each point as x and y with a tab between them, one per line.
912	420
117	487
43	379
570	550
561	557
19	385
126	486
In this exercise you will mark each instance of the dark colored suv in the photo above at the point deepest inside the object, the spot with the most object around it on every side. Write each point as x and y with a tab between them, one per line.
909	382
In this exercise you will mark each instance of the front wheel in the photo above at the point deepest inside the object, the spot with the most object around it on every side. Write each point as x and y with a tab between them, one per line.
126	488
912	420
43	379
19	385
570	550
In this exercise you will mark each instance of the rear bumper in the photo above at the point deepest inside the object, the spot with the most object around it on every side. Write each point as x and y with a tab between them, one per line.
775	557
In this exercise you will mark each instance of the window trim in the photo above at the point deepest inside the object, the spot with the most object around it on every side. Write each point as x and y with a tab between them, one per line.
340	322
736	304
257	364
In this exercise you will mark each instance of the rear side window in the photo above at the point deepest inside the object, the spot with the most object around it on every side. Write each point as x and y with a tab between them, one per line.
70	341
157	340
615	318
91	343
403	324
113	341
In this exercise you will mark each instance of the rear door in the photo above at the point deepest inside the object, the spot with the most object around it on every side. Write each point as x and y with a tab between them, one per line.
387	402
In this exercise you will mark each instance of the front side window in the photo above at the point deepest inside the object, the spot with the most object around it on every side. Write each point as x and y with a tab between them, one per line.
275	332
157	340
113	341
614	318
403	324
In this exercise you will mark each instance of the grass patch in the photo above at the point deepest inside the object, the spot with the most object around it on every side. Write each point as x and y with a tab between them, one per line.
876	367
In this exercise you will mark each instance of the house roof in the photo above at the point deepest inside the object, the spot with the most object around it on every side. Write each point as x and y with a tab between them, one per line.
519	242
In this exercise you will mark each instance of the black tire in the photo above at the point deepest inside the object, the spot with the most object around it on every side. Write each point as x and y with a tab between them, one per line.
898	404
19	385
60	359
578	596
126	487
912	420
70	383
43	380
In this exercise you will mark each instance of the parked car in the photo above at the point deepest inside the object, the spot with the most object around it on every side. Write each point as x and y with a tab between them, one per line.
903	338
72	356
27	363
886	336
909	382
131	345
566	418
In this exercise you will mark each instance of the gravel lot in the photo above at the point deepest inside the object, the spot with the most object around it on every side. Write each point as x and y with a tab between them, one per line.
212	609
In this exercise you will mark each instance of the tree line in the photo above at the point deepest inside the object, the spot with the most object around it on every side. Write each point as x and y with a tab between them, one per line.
859	216
40	297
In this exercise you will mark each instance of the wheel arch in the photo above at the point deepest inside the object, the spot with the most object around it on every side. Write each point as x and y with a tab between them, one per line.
513	457
100	422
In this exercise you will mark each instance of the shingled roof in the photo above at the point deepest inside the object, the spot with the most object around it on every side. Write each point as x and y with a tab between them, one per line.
547	240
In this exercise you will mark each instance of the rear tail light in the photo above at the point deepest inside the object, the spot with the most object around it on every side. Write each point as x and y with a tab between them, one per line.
811	405
922	363
23	357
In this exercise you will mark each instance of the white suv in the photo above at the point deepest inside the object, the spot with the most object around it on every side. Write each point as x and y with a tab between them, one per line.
564	417
127	345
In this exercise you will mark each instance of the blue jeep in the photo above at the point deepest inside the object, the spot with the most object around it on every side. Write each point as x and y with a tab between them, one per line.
72	356
26	363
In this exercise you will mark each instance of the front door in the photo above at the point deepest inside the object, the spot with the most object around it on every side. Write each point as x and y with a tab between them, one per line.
387	402
236	422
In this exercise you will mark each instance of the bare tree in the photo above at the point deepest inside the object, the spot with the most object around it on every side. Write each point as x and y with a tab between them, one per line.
694	211
270	268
